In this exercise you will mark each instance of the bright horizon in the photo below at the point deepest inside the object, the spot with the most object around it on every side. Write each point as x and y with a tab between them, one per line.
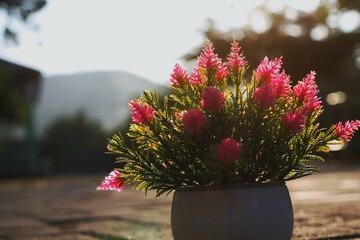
140	37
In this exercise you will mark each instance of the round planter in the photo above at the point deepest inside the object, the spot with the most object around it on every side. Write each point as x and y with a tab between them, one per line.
244	211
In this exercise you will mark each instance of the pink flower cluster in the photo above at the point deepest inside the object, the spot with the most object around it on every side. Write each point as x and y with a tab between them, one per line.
220	120
212	99
306	92
346	131
112	182
208	59
264	95
193	121
141	113
221	73
267	70
196	78
236	59
294	121
273	83
179	77
228	151
212	64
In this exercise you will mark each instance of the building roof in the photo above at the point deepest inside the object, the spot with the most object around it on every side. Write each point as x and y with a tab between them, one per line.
27	80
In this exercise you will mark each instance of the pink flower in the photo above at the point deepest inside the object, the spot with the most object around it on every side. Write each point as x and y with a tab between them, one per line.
228	151
196	78
141	113
212	99
346	131
236	61
113	181
312	105
221	73
294	121
193	121
268	69
306	89
264	95
306	92
281	85
179	77
208	59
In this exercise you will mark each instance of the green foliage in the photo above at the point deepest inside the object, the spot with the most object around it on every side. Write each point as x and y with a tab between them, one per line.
161	155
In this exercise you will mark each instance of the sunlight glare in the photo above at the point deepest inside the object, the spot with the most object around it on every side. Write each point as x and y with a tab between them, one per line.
349	21
275	6
292	30
319	32
304	5
291	14
332	20
259	21
336	98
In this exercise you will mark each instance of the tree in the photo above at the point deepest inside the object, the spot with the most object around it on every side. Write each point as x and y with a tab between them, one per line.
19	10
76	145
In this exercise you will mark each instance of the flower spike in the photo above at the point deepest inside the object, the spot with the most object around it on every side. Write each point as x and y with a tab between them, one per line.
306	89
141	113
208	59
221	73
236	59
306	92
113	182
264	95
268	69
196	78
346	131
281	85
179	77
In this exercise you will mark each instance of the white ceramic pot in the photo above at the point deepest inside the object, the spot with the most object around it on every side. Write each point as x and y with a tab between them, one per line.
245	211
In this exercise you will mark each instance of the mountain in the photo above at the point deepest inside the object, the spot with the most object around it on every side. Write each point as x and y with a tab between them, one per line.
103	96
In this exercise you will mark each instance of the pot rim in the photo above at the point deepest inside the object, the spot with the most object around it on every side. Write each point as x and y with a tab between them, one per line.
232	186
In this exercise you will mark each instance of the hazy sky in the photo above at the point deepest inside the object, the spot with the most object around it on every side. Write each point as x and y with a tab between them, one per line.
145	38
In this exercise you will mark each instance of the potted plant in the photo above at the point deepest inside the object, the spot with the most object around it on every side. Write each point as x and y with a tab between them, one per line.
225	146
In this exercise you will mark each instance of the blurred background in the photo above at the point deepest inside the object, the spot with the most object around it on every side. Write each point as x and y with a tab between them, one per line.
68	68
